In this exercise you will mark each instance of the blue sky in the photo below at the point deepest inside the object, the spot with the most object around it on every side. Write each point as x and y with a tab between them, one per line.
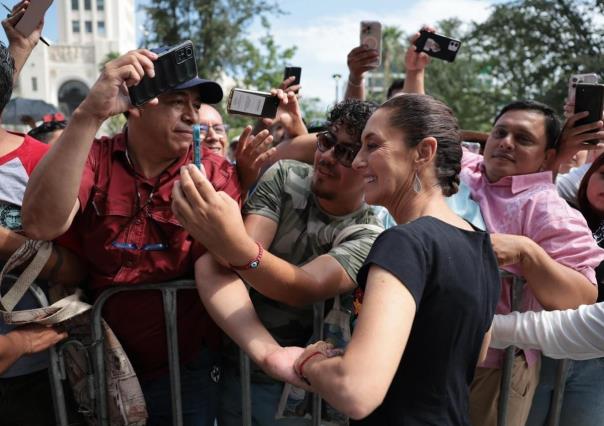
326	30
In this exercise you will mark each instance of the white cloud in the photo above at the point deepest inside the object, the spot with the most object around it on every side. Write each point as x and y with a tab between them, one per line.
324	42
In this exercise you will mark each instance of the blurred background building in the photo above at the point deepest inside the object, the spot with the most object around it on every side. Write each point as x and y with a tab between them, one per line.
89	32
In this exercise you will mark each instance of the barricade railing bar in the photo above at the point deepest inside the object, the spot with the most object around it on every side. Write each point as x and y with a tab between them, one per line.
516	298
169	293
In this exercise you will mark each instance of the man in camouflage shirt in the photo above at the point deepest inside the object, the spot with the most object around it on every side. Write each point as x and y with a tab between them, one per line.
297	211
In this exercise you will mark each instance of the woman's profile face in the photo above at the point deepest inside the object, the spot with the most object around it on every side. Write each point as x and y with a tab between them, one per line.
384	161
595	191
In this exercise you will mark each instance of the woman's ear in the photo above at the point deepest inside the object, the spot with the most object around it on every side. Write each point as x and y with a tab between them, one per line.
426	150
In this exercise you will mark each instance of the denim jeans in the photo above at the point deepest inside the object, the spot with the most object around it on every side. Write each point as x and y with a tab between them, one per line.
199	389
583	403
265	400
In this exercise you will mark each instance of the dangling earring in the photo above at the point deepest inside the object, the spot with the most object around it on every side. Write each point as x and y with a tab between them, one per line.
417	184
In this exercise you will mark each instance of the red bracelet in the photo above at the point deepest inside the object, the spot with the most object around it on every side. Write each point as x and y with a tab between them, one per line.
253	263
301	373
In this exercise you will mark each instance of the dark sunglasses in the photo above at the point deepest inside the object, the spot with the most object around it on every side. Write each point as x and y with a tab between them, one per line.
344	153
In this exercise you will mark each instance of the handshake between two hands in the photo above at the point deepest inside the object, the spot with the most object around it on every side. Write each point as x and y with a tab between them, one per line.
289	364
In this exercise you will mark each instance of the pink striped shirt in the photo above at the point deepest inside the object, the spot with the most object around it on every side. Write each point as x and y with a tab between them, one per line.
529	205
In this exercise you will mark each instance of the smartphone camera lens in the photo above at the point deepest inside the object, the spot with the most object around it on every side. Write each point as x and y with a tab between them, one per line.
188	52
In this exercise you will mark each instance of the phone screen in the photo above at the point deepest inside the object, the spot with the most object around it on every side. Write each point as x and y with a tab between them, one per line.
247	103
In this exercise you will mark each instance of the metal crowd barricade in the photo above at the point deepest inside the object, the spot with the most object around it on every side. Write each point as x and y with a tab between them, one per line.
516	293
169	291
54	371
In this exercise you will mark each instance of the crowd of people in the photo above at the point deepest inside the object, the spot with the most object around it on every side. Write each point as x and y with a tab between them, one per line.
282	218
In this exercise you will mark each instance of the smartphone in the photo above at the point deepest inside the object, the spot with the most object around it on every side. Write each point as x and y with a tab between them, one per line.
174	66
575	79
252	103
437	45
197	145
590	98
371	36
32	16
295	72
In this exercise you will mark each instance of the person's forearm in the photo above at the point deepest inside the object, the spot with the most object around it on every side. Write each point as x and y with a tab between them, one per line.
279	280
52	190
11	349
574	334
331	379
555	286
20	55
227	300
414	82
355	88
301	148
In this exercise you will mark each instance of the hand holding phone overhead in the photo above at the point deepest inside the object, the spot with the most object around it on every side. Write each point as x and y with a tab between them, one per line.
32	17
436	45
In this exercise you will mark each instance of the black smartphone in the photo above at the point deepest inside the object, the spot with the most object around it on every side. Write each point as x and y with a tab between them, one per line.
174	65
252	103
295	72
437	45
590	98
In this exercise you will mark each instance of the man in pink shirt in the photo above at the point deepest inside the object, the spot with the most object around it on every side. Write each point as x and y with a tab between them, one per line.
557	259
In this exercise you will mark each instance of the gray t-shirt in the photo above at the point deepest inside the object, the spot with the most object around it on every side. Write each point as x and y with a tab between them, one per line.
304	233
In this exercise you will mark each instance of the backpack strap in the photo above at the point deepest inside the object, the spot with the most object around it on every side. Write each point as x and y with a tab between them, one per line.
40	251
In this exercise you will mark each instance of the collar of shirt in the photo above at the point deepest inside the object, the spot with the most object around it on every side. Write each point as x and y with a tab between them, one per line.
520	183
120	150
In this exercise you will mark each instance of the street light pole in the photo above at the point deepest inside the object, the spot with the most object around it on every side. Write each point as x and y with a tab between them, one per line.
336	78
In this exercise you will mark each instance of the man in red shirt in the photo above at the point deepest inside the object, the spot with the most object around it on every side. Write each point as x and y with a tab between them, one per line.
115	194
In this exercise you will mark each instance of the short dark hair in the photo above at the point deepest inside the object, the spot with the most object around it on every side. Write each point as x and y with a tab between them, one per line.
552	123
422	116
396	86
7	71
353	115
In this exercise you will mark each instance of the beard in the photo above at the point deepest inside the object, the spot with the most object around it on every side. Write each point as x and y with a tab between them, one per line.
317	188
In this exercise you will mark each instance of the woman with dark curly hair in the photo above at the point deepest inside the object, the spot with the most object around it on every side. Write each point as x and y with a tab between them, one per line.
431	284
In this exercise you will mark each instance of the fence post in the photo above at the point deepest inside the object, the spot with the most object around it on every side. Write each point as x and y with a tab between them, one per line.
54	372
246	388
516	288
169	298
318	315
553	417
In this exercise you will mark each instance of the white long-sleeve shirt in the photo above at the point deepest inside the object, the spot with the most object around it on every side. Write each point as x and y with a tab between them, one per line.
573	333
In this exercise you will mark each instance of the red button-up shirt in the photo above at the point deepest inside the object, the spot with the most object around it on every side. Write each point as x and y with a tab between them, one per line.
129	235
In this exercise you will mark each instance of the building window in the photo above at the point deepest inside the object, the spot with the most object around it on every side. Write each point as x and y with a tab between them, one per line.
34	84
75	26
87	4
75	4
100	4
100	27
88	26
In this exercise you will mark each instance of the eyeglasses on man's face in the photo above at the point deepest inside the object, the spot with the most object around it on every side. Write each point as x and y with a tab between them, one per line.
219	129
344	153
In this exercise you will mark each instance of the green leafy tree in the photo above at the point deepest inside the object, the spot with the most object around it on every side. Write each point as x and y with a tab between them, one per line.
218	28
531	47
